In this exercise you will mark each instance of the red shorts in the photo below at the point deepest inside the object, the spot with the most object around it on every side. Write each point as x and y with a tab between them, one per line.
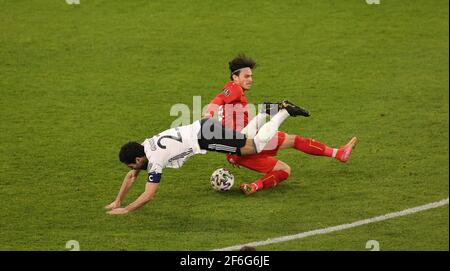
264	161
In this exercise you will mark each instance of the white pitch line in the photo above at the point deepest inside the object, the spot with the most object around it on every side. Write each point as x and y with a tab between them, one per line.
340	227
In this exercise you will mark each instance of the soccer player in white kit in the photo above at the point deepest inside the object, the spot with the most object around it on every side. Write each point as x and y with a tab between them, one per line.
171	148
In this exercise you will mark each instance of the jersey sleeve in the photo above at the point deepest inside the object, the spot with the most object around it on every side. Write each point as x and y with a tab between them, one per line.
230	94
155	173
214	104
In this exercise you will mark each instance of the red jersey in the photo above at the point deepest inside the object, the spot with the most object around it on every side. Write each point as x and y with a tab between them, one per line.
232	105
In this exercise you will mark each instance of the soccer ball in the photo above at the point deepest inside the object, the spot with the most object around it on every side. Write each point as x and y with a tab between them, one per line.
222	179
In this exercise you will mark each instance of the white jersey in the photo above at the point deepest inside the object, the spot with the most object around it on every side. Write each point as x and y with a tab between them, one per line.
171	148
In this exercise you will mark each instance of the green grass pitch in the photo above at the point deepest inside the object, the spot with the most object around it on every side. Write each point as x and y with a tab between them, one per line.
78	81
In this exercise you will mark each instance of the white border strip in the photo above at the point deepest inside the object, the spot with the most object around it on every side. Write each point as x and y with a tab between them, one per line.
340	227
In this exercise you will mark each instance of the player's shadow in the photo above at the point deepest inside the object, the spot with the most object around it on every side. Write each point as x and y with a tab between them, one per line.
235	192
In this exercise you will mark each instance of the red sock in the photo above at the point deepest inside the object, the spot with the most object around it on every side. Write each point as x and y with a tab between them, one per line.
310	146
271	179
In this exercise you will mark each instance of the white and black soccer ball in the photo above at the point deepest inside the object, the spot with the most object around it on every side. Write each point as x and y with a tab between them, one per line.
222	179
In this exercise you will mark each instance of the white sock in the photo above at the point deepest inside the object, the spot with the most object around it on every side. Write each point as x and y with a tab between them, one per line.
334	153
252	127
269	130
279	117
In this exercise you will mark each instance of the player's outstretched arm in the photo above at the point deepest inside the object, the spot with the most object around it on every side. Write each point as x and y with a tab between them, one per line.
127	183
149	193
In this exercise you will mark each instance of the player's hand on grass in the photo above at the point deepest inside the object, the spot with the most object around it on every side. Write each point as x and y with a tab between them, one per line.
233	163
112	205
207	116
118	211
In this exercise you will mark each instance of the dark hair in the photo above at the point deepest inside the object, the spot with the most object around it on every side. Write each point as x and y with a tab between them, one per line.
130	151
239	62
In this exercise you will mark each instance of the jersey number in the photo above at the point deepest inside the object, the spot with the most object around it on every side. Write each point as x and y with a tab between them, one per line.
177	138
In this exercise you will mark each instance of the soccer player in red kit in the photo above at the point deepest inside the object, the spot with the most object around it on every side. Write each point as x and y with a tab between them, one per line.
232	108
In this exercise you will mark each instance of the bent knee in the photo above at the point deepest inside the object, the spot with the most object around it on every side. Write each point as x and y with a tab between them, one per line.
283	166
287	169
